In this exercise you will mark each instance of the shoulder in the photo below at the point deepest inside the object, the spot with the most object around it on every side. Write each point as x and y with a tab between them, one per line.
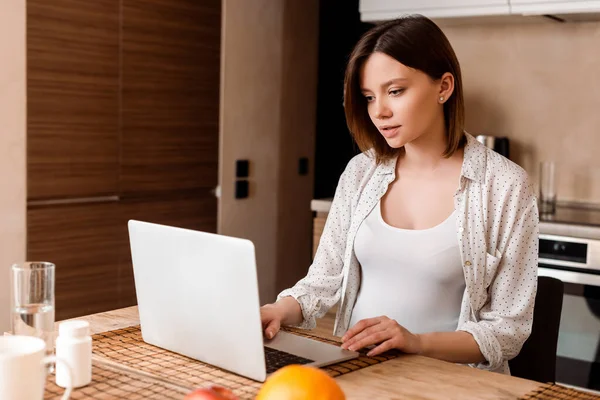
503	184
359	168
503	171
497	174
507	183
499	168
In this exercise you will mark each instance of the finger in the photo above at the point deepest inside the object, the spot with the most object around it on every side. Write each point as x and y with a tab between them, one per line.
382	348
361	335
265	318
266	315
272	329
359	327
374	338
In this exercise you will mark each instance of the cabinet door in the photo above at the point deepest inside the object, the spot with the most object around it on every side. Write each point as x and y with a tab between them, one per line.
83	240
377	10
89	243
553	7
195	211
72	98
171	64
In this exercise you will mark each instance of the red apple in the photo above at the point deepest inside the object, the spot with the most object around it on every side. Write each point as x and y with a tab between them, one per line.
211	393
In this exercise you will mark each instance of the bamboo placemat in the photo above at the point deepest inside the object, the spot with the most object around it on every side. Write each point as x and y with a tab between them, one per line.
112	383
348	366
554	391
126	347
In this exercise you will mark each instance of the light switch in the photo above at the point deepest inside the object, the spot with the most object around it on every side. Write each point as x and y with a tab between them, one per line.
241	189
303	166
242	168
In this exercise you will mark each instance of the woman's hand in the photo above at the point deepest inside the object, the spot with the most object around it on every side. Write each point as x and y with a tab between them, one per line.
271	316
286	311
383	331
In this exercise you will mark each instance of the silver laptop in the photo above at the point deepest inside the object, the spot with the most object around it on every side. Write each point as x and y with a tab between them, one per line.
197	295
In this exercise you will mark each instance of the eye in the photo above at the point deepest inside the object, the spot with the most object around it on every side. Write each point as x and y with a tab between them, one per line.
396	92
369	98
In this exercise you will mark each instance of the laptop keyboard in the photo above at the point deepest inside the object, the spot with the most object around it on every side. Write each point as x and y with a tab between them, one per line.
276	359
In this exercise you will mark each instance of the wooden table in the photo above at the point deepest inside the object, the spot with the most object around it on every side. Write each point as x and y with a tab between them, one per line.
405	377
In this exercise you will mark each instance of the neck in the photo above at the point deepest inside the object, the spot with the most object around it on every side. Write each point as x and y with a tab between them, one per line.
426	152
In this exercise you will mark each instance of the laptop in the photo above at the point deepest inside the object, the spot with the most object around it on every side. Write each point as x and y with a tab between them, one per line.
197	295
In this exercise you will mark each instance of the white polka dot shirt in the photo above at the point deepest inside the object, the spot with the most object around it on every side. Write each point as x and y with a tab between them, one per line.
497	228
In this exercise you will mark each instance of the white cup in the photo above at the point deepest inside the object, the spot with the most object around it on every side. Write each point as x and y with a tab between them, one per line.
23	368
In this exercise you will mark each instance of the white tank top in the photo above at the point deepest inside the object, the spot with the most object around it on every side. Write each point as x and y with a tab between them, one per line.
412	276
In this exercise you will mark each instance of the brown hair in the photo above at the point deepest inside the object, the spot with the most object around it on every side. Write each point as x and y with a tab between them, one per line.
417	42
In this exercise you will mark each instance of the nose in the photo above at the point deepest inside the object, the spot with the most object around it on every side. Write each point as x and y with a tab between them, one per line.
381	109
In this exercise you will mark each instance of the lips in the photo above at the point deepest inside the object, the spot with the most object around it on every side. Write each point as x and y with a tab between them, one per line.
389	130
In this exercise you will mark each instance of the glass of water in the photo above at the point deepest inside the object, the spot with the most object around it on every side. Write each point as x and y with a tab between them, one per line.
33	301
547	187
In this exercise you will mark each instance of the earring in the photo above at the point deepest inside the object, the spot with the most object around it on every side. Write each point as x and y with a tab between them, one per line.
441	99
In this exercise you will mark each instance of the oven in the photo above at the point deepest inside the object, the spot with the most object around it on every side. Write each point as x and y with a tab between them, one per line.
576	262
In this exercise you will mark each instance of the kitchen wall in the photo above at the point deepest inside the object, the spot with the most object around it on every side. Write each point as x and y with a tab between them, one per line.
268	87
250	102
538	84
12	146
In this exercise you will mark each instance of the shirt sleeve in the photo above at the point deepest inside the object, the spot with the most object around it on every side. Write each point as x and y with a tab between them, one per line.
320	289
505	320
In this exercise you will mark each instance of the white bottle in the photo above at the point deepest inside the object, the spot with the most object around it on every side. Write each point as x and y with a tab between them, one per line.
74	346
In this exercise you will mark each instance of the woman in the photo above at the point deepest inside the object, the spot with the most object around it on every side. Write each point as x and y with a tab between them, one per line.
430	246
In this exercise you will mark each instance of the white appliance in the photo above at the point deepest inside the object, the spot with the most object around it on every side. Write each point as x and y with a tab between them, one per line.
571	253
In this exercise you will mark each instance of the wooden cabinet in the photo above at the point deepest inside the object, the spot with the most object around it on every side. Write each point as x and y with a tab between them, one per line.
83	240
542	7
170	115
123	100
191	211
380	10
90	245
72	98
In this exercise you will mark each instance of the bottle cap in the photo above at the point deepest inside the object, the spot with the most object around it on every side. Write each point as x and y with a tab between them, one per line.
75	328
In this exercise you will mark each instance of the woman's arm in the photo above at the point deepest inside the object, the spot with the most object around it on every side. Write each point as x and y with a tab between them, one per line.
387	334
458	347
320	289
504	321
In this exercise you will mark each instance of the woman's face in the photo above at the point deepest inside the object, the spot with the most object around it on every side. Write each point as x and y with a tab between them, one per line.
403	103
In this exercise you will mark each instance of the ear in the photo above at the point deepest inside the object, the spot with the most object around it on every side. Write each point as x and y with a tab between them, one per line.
446	87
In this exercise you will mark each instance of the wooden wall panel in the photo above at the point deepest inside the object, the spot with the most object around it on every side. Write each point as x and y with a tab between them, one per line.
197	211
72	98
250	128
89	243
268	117
298	123
171	53
83	240
123	100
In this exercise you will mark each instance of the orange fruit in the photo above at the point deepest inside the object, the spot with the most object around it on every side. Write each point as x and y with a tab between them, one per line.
298	382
